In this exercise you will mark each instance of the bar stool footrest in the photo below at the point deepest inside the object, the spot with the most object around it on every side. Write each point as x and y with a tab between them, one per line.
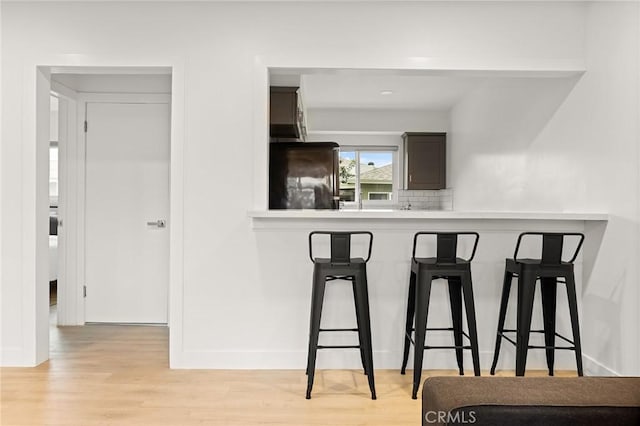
338	347
339	277
464	333
447	347
502	335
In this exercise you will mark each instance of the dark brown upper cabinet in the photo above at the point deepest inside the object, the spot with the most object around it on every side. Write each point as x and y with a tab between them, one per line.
425	160
286	115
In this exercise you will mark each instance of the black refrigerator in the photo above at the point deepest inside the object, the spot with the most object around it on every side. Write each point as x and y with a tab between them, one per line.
304	175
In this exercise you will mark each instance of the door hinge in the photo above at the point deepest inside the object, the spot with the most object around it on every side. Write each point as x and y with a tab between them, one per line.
84	291
85	126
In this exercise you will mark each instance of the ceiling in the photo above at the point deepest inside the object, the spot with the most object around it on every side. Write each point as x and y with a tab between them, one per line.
364	89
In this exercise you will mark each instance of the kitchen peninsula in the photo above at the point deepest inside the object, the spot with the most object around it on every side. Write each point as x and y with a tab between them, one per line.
390	264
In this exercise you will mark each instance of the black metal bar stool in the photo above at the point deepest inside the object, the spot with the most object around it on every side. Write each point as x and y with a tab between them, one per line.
548	269
457	271
341	266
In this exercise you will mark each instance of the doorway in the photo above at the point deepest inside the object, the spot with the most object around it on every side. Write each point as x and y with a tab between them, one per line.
115	194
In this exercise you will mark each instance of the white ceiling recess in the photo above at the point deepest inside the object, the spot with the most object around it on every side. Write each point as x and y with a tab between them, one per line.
370	90
393	100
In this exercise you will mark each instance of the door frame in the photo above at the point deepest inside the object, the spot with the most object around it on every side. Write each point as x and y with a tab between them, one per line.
84	99
34	184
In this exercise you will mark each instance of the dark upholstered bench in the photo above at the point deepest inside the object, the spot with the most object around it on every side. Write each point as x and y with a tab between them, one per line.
531	401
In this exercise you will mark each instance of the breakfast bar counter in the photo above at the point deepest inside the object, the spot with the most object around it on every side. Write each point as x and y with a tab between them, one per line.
424	214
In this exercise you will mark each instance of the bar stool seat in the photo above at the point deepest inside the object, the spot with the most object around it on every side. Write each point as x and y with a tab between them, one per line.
457	271
549	271
341	266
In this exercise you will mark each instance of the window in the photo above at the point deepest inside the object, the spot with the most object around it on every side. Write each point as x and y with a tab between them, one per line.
53	151
53	174
368	174
379	195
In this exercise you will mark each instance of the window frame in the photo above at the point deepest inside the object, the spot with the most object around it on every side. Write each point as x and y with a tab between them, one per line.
395	175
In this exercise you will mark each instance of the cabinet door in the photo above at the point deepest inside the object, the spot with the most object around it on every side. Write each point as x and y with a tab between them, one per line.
283	112
426	159
286	116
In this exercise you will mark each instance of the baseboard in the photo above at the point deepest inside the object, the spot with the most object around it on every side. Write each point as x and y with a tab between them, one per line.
595	368
13	357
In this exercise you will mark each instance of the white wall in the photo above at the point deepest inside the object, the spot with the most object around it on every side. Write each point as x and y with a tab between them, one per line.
376	120
609	138
509	153
497	159
246	292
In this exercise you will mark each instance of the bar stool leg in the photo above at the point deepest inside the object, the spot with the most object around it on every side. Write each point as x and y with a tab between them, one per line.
526	289
506	289
365	320
311	315
455	297
575	325
411	308
548	288
360	336
423	292
319	283
467	285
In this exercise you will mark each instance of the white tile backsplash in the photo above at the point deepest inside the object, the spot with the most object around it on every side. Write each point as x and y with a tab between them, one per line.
426	199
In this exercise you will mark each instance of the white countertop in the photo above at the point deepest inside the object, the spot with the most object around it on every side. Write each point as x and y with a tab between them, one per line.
424	214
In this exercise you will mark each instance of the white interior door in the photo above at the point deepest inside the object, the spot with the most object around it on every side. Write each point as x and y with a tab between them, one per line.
127	209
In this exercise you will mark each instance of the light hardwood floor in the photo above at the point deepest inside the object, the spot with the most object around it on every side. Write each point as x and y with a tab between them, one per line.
119	375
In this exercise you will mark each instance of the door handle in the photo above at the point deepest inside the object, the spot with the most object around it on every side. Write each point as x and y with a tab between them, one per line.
160	223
